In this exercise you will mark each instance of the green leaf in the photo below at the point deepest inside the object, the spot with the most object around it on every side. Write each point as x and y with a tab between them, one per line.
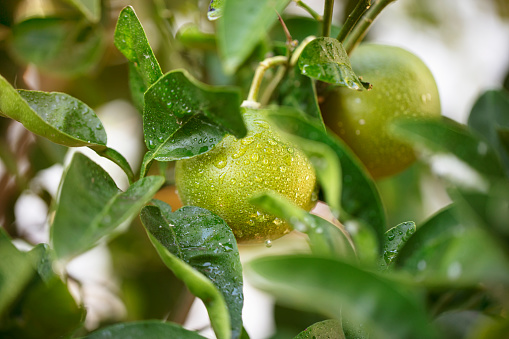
243	24
184	117
464	155
395	238
91	9
488	210
91	206
152	329
326	60
118	159
131	41
300	28
55	116
359	197
330	329
489	114
197	240
444	251
334	288
299	91
42	261
33	305
16	272
325	238
191	37
48	309
65	47
503	135
215	9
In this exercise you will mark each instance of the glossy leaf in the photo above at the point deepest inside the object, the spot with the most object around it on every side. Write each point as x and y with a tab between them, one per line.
326	60
299	91
395	238
184	117
444	251
91	206
16	271
196	239
333	288
55	116
453	144
215	9
330	329
324	238
117	158
91	9
243	24
489	114
66	47
359	196
130	39
152	329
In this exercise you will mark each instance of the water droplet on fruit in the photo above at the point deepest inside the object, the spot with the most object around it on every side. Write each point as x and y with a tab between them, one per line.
268	243
221	163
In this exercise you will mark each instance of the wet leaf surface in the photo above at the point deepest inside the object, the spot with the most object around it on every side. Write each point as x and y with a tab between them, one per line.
184	117
395	238
56	116
196	239
326	60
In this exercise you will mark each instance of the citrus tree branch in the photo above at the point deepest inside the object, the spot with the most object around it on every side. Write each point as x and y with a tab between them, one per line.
352	19
363	25
327	17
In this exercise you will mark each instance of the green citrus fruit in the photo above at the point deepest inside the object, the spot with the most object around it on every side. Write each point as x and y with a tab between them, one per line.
225	178
403	87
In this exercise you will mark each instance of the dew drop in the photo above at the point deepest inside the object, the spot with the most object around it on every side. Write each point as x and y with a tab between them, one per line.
268	243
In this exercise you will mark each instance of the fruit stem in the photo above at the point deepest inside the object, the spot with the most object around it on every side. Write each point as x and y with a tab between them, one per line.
327	17
299	49
352	19
308	9
260	71
362	27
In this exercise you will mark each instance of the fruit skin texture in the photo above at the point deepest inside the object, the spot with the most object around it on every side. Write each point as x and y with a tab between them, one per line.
223	179
402	87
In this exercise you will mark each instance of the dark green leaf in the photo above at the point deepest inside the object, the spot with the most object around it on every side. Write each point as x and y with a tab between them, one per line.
194	236
503	134
130	39
91	206
444	251
330	329
324	237
334	288
56	45
395	238
243	24
91	9
55	116
462	154
215	9
490	113
48	310
152	329
326	60
359	198
299	91
190	36
184	117
16	272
